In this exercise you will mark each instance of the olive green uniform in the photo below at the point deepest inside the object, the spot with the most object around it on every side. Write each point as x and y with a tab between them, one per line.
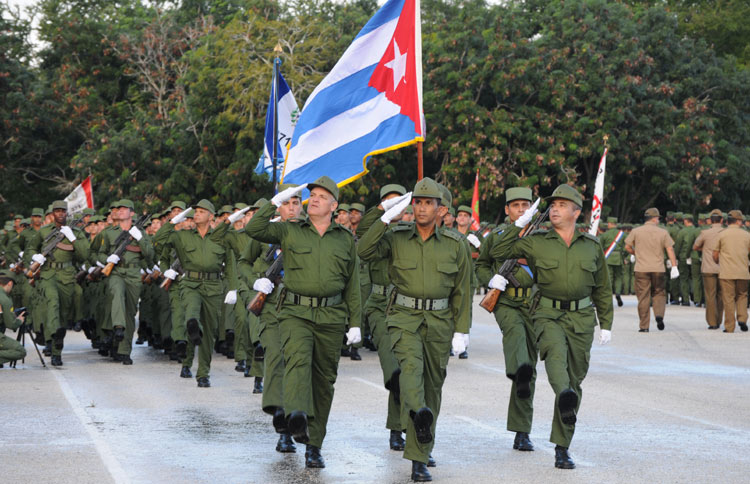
513	318
321	279
10	349
615	257
572	276
422	271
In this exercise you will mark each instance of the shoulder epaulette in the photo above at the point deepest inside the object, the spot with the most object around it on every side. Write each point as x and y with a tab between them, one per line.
592	237
453	235
402	226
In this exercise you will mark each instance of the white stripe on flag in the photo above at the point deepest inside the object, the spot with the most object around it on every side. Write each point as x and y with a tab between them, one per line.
350	125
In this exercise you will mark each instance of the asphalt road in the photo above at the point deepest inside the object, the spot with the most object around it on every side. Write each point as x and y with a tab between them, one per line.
666	406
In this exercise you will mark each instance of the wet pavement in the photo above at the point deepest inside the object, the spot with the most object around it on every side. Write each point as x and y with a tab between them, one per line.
665	406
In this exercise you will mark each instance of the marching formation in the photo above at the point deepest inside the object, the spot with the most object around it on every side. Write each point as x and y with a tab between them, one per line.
285	292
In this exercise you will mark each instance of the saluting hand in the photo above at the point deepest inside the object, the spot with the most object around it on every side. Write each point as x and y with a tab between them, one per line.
524	219
395	209
287	194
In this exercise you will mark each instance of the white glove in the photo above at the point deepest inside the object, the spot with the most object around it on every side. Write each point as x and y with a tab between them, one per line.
353	336
396	209
180	216
605	336
473	240
669	264
674	273
148	271
237	215
91	269
498	282
632	259
459	343
387	204
689	261
142	271
263	284
68	233
170	274
231	297
20	254
156	268
113	259
12	266
276	219
39	259
99	264
281	197
524	219
135	233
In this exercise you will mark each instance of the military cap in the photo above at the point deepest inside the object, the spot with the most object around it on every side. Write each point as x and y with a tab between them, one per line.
446	199
7	274
679	215
125	203
716	213
567	192
8	225
427	188
225	209
652	212
452	211
96	218
59	204
392	188
284	186
26	221
359	207
176	204
611	220
702	216
687	216
327	184
190	214
49	209
18	217
670	214
343	207
736	214
155	216
206	205
409	209
518	193
88	211
464	208
37	212
724	214
259	203
239	206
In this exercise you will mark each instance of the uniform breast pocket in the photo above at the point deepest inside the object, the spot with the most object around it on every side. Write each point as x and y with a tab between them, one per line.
296	256
587	273
403	271
342	262
447	271
545	270
218	251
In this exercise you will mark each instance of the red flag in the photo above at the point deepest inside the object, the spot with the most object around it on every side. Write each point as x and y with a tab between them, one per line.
82	197
475	205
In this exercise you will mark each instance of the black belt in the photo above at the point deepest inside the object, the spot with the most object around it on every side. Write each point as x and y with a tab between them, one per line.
575	305
208	276
312	301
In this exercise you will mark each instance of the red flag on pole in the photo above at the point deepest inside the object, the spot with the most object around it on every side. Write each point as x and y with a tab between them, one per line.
475	204
82	197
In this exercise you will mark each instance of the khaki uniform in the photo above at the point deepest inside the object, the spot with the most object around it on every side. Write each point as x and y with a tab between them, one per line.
733	245
706	242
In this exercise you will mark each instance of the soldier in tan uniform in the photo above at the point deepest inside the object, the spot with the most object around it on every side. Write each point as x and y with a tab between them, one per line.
706	242
648	243
732	249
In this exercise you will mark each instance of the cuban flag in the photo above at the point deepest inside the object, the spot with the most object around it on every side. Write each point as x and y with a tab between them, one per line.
288	113
370	103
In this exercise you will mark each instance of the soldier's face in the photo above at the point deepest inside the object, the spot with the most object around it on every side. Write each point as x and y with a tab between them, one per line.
155	225
59	215
463	219
290	209
36	220
563	213
449	219
174	212
354	217
321	203
425	211
408	217
202	216
342	217
249	216
516	208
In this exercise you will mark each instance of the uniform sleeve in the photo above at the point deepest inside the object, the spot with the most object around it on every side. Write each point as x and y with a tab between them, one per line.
373	245
484	262
602	293
230	268
261	228
104	247
247	259
34	246
461	295
82	247
698	244
352	296
630	240
9	319
509	246
371	216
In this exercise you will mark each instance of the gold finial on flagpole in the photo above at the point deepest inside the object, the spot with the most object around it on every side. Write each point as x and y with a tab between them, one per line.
606	139
278	50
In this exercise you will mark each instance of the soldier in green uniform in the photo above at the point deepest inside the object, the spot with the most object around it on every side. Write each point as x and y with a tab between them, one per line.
205	256
571	275
613	243
253	264
57	276
429	311
356	210
10	349
672	287
513	318
321	290
683	248
375	316
124	283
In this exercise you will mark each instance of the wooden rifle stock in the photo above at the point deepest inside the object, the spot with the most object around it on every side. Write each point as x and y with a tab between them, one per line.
18	268
256	305
81	276
108	269
166	284
33	270
489	301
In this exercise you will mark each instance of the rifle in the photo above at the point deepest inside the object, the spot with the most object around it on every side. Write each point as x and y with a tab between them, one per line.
49	244
489	301
152	277
175	266
121	243
274	274
81	276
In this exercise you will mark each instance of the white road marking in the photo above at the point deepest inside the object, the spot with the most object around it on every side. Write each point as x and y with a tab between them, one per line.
105	453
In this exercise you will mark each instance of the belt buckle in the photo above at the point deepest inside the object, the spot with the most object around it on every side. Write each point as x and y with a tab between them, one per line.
565	305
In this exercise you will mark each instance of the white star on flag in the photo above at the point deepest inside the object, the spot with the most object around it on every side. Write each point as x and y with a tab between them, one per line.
398	65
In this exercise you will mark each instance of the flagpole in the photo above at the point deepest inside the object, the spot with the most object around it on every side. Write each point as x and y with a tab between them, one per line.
277	50
420	168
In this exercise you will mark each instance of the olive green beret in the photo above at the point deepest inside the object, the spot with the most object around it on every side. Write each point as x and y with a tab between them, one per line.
427	188
359	207
325	183
206	205
392	188
464	208
518	193
567	192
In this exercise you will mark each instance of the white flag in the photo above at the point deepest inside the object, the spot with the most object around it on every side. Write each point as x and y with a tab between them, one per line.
596	206
81	197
